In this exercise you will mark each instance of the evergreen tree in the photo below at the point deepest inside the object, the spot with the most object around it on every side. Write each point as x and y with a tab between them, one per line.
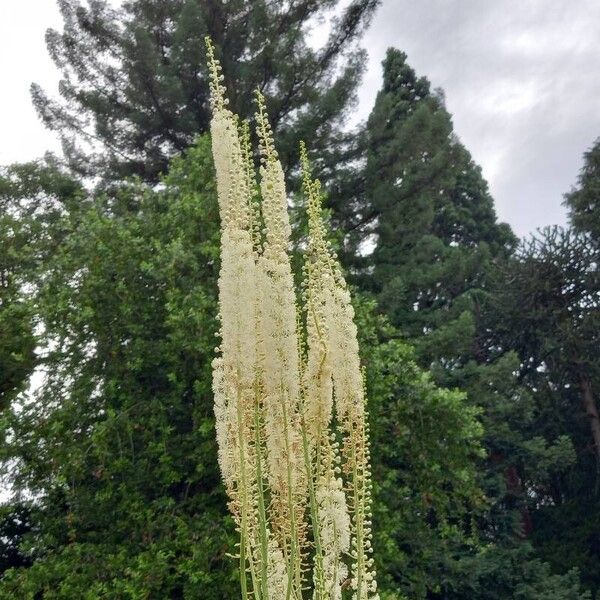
548	301
546	304
429	209
434	246
582	202
133	83
17	357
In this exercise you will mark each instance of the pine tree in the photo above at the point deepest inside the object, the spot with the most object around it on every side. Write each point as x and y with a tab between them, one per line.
133	85
428	206
433	242
548	301
582	202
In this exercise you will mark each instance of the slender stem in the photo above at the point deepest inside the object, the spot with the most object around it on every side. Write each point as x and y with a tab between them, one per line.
243	579
262	515
244	501
256	586
314	517
294	561
358	484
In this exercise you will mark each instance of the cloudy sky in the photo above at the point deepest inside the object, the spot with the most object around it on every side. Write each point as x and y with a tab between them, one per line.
522	80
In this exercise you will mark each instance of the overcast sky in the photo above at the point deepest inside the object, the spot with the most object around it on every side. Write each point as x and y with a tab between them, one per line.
522	81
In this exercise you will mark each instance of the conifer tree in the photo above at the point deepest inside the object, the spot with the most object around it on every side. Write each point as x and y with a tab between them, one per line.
134	93
582	202
433	245
548	300
426	203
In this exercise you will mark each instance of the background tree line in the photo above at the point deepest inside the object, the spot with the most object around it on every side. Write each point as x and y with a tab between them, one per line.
480	349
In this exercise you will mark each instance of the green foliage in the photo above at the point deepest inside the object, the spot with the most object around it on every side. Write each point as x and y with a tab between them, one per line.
26	191
512	572
16	347
435	245
136	75
488	493
582	201
547	301
433	218
426	441
117	447
17	344
14	524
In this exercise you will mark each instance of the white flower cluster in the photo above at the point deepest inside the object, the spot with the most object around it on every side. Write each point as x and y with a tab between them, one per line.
289	396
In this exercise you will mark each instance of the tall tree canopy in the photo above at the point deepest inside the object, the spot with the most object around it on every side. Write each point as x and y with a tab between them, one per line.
117	449
133	84
583	202
423	238
426	203
113	459
548	301
547	307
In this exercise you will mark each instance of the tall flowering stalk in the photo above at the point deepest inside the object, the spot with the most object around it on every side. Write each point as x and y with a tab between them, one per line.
289	398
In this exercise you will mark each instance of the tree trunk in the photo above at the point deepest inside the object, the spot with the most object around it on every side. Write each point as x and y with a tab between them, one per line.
591	409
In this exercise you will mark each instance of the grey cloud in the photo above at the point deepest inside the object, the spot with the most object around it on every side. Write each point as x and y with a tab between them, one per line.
521	80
